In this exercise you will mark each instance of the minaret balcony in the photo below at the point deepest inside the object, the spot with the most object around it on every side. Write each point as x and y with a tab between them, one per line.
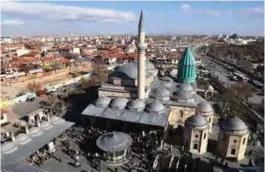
142	46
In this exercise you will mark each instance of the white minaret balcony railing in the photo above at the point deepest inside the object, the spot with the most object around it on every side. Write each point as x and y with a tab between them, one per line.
142	46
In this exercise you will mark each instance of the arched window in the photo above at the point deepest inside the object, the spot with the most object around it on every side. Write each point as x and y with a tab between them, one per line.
204	136
244	140
181	113
210	120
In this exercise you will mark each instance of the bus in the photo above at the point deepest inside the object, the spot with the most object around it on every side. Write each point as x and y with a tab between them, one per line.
241	76
54	88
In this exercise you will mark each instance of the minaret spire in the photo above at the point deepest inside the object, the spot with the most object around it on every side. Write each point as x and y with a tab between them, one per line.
141	21
141	58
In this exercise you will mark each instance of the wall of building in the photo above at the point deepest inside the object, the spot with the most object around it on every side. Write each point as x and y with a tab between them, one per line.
242	147
195	140
223	141
187	138
21	52
102	93
204	141
3	118
227	142
176	117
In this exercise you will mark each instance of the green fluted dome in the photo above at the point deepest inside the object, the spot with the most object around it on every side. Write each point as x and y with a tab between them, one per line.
187	67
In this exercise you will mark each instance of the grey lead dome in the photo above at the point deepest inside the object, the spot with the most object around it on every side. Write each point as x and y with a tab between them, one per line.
160	93
35	131
22	138
204	107
103	101
131	69
8	147
182	95
234	125
155	107
56	119
185	87
119	103
197	121
136	105
166	79
45	125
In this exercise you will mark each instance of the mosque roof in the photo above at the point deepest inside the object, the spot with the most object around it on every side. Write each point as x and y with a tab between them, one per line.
142	117
22	151
131	70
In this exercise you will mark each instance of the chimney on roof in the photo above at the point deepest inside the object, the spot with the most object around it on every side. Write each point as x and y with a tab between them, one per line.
13	136
27	129
49	117
38	122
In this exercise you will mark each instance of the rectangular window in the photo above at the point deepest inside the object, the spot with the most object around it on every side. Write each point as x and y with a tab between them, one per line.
195	146
233	151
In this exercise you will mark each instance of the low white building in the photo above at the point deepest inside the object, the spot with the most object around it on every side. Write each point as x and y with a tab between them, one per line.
76	50
6	40
22	51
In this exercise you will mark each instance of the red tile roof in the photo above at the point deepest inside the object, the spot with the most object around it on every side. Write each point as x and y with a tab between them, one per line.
63	60
3	111
47	58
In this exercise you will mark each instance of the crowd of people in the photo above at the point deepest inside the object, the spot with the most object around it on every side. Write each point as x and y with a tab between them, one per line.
80	142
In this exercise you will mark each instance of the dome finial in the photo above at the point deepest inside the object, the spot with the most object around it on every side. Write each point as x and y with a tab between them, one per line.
141	21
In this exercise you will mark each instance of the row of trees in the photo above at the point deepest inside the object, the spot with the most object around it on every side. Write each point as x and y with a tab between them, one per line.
240	56
252	52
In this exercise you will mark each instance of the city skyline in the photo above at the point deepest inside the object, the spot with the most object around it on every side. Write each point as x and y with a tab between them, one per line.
92	18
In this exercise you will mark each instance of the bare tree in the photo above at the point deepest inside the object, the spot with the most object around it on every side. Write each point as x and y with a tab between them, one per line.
100	69
243	90
34	87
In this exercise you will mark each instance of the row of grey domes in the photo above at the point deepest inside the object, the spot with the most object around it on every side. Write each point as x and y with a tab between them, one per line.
232	125
23	138
138	105
185	91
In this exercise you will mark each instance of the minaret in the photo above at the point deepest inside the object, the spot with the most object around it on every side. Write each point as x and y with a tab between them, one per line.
141	58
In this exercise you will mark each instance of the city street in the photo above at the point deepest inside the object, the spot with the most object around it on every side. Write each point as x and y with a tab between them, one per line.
223	75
